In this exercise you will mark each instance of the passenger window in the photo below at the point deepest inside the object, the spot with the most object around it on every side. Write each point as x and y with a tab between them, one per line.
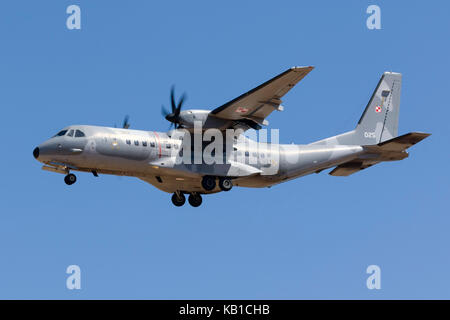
247	154
168	145
136	143
175	146
152	144
144	143
254	154
79	134
128	141
70	134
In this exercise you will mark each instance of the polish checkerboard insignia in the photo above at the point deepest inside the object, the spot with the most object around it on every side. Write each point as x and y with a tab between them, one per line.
242	110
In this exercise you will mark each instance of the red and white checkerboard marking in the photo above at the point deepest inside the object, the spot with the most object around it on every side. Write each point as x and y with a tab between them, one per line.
241	110
378	109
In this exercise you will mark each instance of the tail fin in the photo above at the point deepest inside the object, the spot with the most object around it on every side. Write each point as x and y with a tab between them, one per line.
379	121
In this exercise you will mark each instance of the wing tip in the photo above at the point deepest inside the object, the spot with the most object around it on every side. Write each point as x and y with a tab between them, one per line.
301	68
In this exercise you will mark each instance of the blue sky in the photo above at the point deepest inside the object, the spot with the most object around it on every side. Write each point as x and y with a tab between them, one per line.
309	238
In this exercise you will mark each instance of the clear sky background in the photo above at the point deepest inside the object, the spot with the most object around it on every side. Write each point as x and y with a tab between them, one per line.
309	238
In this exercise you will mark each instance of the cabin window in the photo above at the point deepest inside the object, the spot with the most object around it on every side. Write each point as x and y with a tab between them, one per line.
79	134
70	134
152	144
144	143
168	145
247	153
128	141
254	154
136	143
175	146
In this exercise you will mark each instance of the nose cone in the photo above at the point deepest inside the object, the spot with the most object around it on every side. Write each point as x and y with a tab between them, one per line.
36	152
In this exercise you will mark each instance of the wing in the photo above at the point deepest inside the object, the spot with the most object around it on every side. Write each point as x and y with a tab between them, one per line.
256	104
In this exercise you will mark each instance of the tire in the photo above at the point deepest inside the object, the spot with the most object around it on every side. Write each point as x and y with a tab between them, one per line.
178	201
70	179
195	200
225	184
208	183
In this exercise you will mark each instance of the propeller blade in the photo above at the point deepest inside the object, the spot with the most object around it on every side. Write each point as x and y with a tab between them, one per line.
126	124
180	104
172	99
174	116
164	111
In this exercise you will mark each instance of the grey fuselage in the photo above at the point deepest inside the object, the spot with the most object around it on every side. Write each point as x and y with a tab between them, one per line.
152	157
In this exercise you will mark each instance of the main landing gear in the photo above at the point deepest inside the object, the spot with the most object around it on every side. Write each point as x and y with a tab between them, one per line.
70	179
209	183
194	199
178	199
225	184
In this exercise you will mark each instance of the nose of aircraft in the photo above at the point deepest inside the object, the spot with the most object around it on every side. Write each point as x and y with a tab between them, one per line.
36	152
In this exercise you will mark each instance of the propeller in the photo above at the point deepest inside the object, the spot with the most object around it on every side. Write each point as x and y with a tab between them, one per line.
126	122
174	116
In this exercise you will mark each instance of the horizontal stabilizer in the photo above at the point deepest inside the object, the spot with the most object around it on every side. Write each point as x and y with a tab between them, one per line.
403	142
389	150
349	168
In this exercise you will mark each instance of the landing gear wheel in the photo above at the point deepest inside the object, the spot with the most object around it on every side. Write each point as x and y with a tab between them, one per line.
70	179
225	184
195	200
208	183
178	199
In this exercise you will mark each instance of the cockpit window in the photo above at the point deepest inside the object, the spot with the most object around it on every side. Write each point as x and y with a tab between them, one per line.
61	133
79	134
70	134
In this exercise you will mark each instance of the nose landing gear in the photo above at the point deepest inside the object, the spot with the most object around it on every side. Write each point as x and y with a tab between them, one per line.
70	179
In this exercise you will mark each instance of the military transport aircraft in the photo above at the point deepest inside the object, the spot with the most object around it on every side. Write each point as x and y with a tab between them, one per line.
152	156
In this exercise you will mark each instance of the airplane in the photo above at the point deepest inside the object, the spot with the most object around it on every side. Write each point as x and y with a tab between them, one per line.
152	156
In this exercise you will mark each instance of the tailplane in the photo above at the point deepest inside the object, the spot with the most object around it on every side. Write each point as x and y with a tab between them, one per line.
389	150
